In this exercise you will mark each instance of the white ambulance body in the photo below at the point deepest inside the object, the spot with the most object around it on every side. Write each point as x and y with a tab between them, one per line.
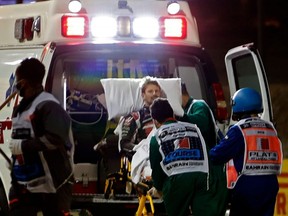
111	39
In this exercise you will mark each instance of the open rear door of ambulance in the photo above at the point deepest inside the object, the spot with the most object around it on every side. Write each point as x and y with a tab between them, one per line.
245	69
46	57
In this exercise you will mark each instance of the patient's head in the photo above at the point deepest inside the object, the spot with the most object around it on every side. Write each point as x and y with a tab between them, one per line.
150	91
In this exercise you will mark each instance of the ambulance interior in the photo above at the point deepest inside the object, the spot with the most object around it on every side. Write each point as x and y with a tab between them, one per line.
76	81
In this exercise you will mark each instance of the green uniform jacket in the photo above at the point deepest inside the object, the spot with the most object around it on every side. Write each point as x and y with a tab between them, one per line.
200	115
217	196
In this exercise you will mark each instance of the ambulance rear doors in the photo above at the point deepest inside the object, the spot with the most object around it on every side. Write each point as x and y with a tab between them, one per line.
245	69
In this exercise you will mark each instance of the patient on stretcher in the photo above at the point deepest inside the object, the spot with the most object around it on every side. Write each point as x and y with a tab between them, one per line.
125	97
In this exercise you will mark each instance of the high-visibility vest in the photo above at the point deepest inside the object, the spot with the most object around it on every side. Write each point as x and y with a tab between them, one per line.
34	175
182	147
263	151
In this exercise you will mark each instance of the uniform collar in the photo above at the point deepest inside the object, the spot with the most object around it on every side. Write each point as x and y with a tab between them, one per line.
189	103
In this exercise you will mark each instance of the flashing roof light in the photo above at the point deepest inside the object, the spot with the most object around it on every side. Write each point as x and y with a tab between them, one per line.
103	27
173	7
146	27
75	26
124	26
168	27
74	6
221	106
173	27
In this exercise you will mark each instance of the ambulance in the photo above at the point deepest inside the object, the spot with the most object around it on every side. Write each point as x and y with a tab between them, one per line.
83	42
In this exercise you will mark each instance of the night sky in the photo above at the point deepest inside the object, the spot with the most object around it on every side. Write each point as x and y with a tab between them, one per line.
224	24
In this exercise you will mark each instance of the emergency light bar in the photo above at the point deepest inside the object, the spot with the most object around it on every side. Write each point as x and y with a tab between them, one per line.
173	27
145	27
124	26
75	26
170	27
103	27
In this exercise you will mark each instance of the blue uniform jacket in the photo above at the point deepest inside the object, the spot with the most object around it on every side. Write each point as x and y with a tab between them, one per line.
233	146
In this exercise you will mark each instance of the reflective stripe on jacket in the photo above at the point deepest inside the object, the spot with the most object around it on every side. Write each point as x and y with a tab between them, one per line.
263	151
182	148
33	171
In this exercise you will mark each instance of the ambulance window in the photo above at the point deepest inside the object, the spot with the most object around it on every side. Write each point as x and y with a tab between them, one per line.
192	80
191	72
82	78
84	70
245	72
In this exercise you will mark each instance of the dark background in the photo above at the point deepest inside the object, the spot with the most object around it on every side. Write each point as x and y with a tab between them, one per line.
224	24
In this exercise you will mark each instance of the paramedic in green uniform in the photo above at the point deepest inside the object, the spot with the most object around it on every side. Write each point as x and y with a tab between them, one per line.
199	113
179	162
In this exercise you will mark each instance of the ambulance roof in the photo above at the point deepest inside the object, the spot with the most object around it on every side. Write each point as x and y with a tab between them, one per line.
42	22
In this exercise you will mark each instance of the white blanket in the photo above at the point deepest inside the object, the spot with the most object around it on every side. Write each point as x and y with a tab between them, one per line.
140	164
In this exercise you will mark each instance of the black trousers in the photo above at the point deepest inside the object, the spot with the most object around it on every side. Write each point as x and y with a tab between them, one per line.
22	202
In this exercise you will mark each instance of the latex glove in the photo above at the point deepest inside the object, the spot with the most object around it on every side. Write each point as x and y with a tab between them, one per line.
100	144
15	146
155	193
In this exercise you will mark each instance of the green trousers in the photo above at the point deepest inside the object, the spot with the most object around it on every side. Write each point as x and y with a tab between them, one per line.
203	195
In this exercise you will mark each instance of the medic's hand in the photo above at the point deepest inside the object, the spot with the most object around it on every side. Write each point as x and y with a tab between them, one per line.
155	193
15	146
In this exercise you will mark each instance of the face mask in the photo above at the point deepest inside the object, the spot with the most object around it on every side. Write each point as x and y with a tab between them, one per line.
20	88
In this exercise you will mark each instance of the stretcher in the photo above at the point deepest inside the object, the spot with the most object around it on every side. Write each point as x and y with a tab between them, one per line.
121	182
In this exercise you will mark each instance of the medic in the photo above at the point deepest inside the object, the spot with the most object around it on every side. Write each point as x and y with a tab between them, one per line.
253	180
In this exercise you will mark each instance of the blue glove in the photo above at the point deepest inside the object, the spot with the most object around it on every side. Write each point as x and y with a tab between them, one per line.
15	146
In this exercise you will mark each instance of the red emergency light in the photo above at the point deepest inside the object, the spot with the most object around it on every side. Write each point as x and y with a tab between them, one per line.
221	106
170	27
75	26
173	27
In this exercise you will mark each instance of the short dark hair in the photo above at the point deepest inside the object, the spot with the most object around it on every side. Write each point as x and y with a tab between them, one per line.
149	81
161	110
31	69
